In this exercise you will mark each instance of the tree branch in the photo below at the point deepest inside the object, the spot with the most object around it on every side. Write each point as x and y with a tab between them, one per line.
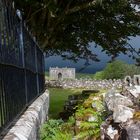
37	11
80	7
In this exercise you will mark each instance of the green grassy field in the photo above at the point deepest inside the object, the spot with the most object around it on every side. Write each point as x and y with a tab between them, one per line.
84	75
58	97
47	73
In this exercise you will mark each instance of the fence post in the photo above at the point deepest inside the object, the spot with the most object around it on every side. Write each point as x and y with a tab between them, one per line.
44	55
18	12
36	66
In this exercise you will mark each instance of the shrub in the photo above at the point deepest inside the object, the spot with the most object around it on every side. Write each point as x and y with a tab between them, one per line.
90	118
131	70
99	75
117	70
51	130
114	70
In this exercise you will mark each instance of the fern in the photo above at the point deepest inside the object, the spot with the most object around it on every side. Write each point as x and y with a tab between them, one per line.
49	129
88	134
88	125
62	136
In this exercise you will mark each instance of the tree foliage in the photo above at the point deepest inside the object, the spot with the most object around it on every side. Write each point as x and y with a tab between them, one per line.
114	70
117	70
67	27
99	75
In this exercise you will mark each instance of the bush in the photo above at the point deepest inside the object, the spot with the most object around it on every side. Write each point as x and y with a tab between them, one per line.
99	75
114	70
131	70
117	70
51	130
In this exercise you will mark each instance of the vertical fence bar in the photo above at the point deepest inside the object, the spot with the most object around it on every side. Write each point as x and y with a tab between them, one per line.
0	66
37	79
22	52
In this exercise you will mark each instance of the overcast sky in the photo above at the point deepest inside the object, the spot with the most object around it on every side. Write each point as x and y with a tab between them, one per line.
57	61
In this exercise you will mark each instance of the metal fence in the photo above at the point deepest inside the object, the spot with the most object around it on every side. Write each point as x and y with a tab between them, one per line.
21	65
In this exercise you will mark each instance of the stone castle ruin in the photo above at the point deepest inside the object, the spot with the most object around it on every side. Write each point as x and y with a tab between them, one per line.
61	73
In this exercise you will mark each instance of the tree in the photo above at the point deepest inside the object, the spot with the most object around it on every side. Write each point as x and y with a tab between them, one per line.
131	70
99	75
115	70
66	27
137	61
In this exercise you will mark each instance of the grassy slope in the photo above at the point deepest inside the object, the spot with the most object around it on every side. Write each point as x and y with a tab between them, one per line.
84	75
58	97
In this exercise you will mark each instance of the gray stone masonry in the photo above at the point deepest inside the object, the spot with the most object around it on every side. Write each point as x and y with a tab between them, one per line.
27	127
87	84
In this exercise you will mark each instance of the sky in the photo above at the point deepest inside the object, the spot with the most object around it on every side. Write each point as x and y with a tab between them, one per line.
57	61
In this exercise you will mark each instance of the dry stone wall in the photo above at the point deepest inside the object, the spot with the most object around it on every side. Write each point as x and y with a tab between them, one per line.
95	84
123	123
28	125
85	83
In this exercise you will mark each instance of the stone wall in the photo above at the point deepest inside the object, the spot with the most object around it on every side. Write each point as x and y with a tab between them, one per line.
85	83
130	81
123	123
27	127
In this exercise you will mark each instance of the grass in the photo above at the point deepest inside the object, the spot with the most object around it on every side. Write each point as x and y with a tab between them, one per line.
46	73
58	97
84	75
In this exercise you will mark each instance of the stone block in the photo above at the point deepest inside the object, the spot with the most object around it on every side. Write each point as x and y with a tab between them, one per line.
122	114
114	99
